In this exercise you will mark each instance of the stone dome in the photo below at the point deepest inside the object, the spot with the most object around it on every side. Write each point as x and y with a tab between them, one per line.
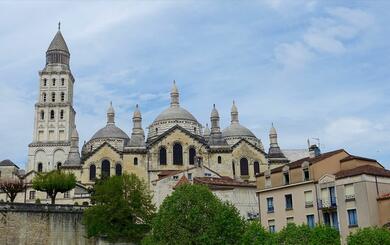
175	113
110	131
237	130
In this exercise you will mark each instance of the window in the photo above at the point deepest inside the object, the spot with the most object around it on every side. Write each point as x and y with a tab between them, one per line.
52	114
326	218
118	169
92	172
105	169
352	218
175	177
163	156
44	97
306	175
59	165
286	178
189	176
349	192
44	82
207	174
271	226
66	194
42	115
177	154
62	81
310	220
289	201
53	97
156	130
192	155
308	199
62	114
219	159
290	220
270	204
233	168
31	195
54	82
62	96
135	161
40	167
256	167
244	167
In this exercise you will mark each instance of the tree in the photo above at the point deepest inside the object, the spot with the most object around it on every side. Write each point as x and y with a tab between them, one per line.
369	236
302	234
324	234
54	182
193	215
123	209
256	234
12	187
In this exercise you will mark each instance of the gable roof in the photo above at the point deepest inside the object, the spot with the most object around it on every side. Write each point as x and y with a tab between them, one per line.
223	182
169	131
183	180
353	157
249	143
88	155
365	169
8	162
168	173
298	163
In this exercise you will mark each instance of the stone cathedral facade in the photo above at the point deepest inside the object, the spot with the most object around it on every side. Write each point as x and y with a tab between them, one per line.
176	148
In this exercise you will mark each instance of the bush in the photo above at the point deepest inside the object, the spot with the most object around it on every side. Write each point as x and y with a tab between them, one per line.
256	234
369	236
193	215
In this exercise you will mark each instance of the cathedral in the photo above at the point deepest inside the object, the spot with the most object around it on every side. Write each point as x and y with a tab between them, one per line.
176	148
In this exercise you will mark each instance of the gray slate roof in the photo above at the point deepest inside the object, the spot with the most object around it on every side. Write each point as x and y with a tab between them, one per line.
110	131
175	112
58	43
236	129
7	162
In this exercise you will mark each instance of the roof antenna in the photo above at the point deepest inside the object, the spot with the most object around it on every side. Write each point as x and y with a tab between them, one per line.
59	26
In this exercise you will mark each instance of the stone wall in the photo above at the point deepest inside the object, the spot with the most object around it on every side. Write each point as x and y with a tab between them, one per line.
41	224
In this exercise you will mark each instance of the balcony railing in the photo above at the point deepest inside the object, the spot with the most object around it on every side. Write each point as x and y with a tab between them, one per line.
327	203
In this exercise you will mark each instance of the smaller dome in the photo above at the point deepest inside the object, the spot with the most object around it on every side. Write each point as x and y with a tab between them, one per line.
110	109
214	112
272	131
110	131
236	129
137	112
206	130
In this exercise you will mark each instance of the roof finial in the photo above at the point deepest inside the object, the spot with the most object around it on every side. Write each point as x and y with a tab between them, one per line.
136	106
59	25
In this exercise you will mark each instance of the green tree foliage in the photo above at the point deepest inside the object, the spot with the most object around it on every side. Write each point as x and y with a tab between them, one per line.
123	209
193	215
256	234
369	236
293	234
12	187
54	182
324	234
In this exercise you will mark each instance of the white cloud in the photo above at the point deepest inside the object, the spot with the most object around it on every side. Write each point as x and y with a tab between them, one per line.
292	55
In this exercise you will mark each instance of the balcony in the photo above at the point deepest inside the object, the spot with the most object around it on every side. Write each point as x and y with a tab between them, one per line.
329	203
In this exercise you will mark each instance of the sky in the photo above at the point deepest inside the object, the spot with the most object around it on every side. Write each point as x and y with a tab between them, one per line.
316	69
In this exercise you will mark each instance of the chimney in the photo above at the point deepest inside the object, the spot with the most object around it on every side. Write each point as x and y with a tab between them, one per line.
314	151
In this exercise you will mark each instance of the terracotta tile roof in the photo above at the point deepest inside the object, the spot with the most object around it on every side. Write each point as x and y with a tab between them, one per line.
365	169
384	196
222	182
298	163
352	157
167	173
183	180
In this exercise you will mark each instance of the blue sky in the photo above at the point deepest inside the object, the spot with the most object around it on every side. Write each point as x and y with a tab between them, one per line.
317	69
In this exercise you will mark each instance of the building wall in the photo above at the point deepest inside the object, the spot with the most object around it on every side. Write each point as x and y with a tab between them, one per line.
384	211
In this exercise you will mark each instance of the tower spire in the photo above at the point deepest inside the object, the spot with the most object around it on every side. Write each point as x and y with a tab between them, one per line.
215	129
110	114
59	25
137	135
174	95
234	113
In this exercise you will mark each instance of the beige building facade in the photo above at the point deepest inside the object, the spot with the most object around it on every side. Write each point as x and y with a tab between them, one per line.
333	188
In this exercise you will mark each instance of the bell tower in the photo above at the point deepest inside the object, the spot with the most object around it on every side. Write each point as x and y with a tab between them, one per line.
54	113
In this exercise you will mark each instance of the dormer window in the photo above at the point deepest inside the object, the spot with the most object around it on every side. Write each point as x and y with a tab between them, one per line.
286	178
306	175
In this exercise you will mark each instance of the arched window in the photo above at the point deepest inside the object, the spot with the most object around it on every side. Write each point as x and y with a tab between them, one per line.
135	161
105	169
177	154
62	114
59	165
233	168
44	82
156	130
118	169
53	97
40	167
219	159
192	155
62	81
44	97
163	156
92	172
54	82
62	96
244	167
52	114
42	115
256	167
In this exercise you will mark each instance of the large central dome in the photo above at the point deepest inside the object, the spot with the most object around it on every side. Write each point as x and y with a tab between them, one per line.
174	115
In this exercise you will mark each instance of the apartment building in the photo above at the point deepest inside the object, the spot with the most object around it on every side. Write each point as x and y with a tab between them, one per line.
333	188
